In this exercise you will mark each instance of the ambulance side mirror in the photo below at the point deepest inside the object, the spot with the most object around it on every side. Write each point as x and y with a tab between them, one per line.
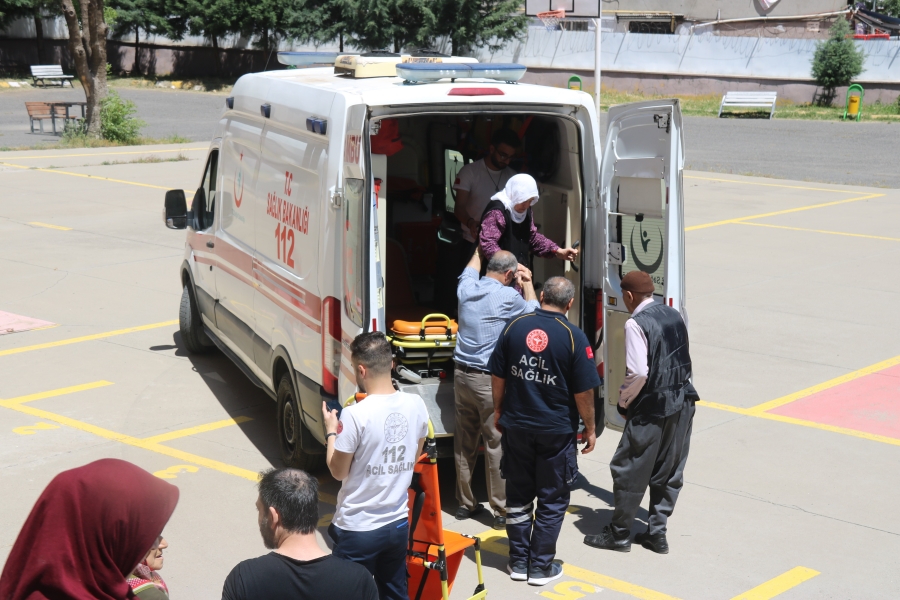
175	214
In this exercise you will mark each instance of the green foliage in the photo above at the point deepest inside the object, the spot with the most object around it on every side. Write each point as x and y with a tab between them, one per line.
479	23
885	7
15	9
117	120
837	61
322	21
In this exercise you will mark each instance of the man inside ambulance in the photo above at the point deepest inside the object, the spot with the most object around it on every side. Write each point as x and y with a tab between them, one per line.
478	181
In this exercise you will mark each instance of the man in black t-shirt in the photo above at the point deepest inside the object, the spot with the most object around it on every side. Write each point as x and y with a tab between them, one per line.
288	507
542	378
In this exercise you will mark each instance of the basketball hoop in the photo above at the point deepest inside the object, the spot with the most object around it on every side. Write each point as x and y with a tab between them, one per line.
551	18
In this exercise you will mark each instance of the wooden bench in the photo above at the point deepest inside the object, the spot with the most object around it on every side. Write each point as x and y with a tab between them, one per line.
41	111
52	73
749	99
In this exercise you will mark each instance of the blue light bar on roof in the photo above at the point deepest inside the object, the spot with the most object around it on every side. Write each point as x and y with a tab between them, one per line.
422	72
306	59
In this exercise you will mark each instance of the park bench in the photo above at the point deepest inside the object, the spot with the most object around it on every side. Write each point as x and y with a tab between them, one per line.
41	111
749	99
52	73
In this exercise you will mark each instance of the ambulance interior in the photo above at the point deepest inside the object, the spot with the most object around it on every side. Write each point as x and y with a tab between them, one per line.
415	160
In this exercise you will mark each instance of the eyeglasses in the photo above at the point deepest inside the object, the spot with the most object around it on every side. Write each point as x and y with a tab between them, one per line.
503	155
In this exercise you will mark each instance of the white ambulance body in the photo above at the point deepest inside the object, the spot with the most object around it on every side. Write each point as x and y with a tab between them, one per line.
296	242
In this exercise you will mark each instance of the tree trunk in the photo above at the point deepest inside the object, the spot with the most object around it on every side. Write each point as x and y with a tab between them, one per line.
217	67
136	69
341	41
87	45
39	35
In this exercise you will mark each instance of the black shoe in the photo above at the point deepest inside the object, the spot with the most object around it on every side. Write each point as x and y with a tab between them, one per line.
605	540
545	576
499	522
463	513
657	542
518	571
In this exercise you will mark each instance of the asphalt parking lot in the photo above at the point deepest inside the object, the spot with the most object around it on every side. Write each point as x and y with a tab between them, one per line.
791	485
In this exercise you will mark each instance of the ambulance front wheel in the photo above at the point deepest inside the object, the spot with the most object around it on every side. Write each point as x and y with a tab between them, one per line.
291	430
190	324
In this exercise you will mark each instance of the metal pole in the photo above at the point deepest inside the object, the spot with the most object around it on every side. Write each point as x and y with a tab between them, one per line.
597	66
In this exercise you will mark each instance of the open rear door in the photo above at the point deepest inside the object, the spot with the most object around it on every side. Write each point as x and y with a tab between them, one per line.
641	188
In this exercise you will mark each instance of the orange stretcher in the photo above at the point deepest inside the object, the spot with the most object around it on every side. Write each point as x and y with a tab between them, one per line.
433	554
428	341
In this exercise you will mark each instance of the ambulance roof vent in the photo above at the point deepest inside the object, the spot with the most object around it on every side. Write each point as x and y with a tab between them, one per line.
429	72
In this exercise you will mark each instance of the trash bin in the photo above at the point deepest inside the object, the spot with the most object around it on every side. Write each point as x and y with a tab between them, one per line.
853	107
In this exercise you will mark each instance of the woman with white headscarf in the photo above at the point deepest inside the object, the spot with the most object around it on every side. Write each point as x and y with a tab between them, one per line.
507	224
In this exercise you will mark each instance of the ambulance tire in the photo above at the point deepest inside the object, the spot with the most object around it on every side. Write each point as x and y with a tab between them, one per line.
190	324
290	430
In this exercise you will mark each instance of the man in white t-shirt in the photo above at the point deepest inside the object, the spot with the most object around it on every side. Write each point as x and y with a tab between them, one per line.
372	448
478	181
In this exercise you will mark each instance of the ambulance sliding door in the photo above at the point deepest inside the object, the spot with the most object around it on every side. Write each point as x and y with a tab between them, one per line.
641	188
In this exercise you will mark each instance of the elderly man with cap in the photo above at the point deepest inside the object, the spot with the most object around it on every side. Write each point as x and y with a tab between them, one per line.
657	400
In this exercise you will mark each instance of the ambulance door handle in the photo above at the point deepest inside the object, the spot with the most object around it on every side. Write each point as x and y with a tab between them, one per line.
210	244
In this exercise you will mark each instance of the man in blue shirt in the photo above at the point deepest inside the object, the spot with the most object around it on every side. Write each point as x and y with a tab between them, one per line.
485	306
543	377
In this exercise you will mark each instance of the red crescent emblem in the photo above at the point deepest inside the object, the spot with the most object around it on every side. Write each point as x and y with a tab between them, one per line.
340	427
537	340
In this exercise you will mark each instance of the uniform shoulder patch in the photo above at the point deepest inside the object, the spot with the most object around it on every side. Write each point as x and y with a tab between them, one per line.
537	340
589	352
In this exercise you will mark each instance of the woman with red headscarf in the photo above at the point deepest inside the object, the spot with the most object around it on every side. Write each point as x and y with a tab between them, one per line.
89	529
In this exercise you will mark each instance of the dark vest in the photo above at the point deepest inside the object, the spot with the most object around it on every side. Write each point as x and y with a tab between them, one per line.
516	237
668	384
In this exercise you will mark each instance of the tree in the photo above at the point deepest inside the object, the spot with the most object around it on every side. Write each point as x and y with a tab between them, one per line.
134	15
30	9
212	19
890	8
87	45
478	23
392	24
837	61
322	21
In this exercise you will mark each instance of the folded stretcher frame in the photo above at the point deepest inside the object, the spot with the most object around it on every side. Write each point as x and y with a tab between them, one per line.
430	340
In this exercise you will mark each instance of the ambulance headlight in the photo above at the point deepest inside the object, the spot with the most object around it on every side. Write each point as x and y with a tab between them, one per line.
306	59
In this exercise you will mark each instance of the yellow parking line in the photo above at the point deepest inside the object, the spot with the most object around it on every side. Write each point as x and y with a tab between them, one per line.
172	435
879	366
782	212
779	585
778	185
86	338
16	404
53	393
49	226
85	175
859	235
490	542
105	153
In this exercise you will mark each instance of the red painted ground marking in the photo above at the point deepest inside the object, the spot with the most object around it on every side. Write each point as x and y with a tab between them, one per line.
870	404
10	323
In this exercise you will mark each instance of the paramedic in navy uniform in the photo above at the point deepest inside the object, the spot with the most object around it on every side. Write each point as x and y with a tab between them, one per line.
543	376
657	399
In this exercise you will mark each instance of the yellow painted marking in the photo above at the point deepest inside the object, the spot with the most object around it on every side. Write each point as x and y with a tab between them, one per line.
492	541
57	392
782	212
105	153
187	457
779	585
778	185
87	338
174	472
749	412
844	233
880	366
86	176
32	429
325	520
165	437
49	226
570	590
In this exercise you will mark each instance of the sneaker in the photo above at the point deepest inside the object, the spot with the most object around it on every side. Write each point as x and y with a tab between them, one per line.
499	522
657	543
545	576
518	571
606	540
463	513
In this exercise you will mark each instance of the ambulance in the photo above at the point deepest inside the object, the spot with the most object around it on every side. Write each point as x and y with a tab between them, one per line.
325	209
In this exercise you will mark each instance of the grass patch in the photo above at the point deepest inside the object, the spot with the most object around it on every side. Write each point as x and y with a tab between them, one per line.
708	106
83	141
146	160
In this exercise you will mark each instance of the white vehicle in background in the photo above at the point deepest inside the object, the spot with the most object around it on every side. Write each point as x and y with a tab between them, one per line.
300	236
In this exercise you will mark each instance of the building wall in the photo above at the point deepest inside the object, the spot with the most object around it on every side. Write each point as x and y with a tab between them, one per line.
708	10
